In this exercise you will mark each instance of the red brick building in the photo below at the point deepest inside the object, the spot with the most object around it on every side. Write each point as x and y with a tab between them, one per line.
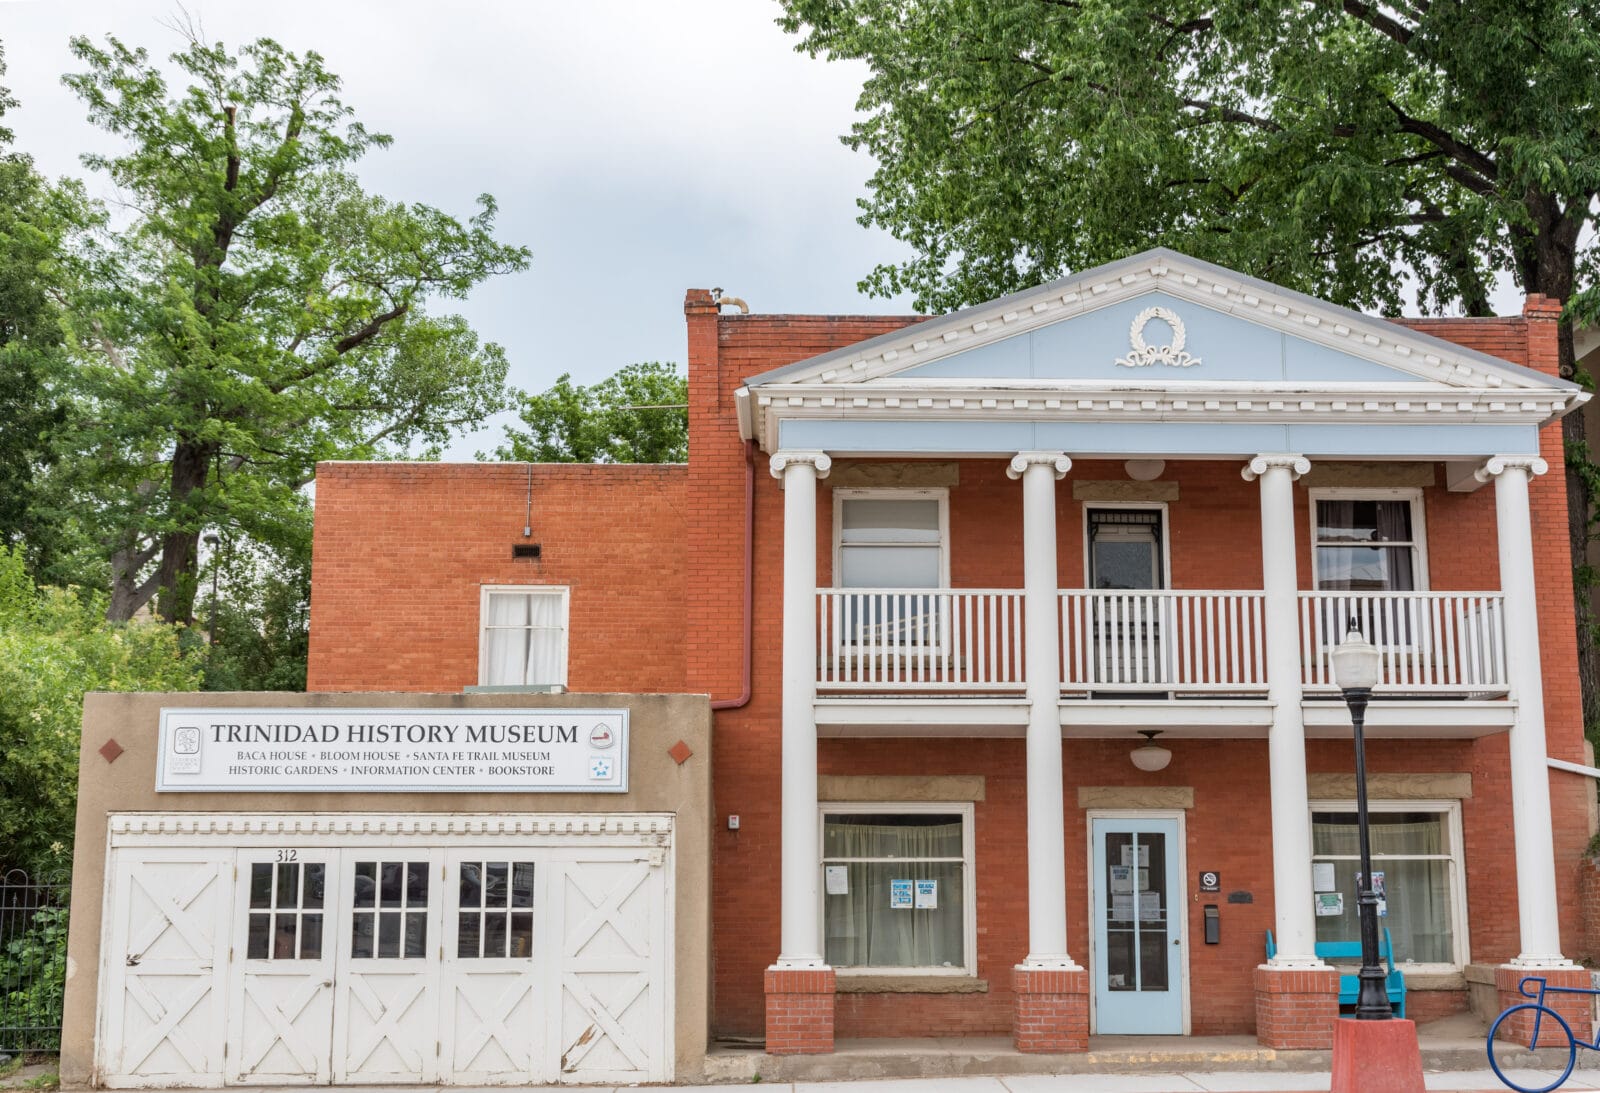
1017	625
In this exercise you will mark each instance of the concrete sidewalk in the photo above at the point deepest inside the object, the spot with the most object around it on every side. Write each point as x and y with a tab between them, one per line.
1464	1081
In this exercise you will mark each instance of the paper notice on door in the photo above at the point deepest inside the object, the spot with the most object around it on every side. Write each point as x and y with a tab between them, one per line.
1149	906
927	895
1122	878
1322	876
1330	904
1144	880
900	895
1122	906
836	879
1127	855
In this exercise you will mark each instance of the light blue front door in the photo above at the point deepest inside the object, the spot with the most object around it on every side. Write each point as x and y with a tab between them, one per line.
1138	930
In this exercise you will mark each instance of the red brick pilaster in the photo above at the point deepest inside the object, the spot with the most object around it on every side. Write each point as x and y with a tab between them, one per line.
1577	1009
1051	1010
799	1011
1296	1008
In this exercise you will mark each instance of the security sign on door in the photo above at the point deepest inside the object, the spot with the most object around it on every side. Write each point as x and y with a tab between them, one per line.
1138	927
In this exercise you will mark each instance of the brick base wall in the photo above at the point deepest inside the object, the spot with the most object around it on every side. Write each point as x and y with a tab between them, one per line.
1296	1009
799	1011
1051	1010
1577	1009
1425	1006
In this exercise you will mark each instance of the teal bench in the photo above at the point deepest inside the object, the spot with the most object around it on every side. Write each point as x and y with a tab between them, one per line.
1350	985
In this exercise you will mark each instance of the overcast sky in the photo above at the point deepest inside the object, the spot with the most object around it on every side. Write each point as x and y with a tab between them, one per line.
639	149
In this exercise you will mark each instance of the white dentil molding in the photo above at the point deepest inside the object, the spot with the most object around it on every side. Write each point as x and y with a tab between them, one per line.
1297	465
387	824
1058	461
1498	465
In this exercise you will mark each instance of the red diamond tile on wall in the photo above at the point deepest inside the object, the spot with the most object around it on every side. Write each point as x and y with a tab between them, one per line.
110	750
680	752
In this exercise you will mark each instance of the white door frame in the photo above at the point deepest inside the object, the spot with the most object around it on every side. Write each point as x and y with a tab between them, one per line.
1180	896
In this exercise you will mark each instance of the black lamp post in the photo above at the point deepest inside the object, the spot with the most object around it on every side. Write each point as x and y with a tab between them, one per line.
1356	665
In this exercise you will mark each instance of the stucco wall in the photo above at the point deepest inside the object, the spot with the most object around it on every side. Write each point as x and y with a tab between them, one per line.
658	784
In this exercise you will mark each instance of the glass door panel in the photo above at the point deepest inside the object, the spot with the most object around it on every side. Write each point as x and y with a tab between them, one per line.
1138	920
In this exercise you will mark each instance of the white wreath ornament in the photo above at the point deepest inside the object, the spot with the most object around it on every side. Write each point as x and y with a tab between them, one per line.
1144	355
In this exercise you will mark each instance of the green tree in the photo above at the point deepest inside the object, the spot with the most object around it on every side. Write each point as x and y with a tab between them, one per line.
639	415
257	312
258	624
1320	144
55	646
35	219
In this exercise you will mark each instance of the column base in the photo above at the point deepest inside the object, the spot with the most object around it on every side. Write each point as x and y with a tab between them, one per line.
1296	1010
1050	1011
1376	1057
799	1011
1576	1009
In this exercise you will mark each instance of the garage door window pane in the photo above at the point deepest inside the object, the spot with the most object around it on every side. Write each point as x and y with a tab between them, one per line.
400	929
280	895
486	927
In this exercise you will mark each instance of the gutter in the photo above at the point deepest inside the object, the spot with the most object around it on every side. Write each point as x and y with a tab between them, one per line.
1575	768
749	574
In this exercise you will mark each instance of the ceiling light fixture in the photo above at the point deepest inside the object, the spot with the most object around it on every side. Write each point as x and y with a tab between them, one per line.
1149	756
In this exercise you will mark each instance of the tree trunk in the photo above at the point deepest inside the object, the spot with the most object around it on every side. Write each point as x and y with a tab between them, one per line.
175	578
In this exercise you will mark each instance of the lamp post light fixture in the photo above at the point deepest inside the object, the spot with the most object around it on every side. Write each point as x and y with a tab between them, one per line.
1356	666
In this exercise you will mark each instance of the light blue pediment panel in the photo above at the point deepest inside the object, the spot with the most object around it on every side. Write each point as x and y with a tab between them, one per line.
1228	348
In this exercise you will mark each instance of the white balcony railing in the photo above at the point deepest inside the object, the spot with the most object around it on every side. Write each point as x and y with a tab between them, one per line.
1170	641
919	639
1432	642
1151	643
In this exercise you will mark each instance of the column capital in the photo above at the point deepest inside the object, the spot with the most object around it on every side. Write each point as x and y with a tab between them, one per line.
1297	465
1499	464
1058	461
786	458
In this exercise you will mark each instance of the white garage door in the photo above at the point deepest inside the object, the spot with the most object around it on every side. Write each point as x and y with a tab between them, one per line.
303	950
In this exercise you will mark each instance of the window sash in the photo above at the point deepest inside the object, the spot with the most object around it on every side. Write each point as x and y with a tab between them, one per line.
522	638
961	894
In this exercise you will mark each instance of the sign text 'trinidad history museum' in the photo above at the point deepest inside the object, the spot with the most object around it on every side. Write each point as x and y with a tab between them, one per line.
393	750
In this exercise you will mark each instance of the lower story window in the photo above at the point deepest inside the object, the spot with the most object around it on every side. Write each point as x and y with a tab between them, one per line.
896	888
1416	863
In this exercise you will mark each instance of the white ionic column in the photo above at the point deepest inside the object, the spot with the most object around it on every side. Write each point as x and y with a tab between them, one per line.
1294	913
800	932
1047	836
1530	776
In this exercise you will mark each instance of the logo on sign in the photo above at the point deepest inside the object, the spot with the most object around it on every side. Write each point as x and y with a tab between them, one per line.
600	767
601	736
185	757
1210	881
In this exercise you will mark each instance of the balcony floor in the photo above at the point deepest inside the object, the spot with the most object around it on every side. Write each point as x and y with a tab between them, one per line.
1003	717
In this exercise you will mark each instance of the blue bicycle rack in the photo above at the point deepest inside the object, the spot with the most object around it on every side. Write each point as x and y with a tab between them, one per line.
1542	1013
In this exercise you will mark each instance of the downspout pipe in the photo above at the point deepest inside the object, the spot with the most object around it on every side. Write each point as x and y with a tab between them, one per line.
750	451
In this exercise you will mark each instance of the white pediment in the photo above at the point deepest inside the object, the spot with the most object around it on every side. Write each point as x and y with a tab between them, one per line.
1199	325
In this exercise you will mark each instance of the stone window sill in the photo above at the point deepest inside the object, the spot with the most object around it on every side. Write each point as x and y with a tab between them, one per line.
910	984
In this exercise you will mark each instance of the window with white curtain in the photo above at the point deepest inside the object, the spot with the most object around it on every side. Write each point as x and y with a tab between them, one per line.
1416	846
523	637
897	888
1368	540
890	538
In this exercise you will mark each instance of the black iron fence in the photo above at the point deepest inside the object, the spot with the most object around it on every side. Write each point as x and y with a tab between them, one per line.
33	961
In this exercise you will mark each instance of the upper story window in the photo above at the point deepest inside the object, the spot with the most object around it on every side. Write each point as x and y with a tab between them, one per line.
1368	540
523	637
891	538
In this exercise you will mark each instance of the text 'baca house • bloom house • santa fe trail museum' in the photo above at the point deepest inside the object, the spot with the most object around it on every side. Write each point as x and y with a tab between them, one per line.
1015	625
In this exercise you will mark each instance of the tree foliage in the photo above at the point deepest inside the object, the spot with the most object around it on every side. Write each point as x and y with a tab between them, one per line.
35	219
638	415
55	646
1321	145
258	623
258	312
